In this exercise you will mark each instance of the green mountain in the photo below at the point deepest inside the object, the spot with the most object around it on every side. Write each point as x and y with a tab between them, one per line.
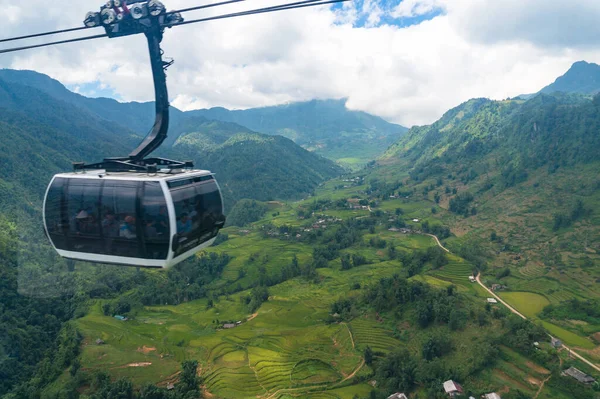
582	78
136	116
517	183
46	127
327	127
254	165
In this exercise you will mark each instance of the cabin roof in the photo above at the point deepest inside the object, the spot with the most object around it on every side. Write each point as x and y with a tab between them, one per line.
102	174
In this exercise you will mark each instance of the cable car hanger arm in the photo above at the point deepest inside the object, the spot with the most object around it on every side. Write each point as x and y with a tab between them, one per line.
149	17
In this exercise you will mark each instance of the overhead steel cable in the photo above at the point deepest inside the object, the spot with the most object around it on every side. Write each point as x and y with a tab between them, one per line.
222	3
79	39
10	39
56	32
281	7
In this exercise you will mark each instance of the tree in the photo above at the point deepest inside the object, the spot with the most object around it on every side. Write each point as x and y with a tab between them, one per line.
75	367
458	319
189	377
368	355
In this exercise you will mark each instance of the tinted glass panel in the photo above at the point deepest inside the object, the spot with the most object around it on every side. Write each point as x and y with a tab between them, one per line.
56	223
155	222
83	215
119	218
198	211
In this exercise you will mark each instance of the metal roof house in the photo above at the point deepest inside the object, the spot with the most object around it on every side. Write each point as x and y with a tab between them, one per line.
579	375
452	388
397	395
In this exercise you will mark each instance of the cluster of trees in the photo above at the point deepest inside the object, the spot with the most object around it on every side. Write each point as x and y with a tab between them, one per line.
30	328
566	220
414	261
430	305
246	211
436	229
60	355
576	309
119	306
461	204
257	297
188	386
184	282
354	260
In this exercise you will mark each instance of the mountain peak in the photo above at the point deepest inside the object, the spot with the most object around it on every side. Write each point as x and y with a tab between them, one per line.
583	78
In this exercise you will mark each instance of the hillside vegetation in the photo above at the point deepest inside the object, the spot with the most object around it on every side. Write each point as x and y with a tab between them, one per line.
327	127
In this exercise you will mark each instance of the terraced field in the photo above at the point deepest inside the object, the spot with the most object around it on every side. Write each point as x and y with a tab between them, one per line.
371	333
286	349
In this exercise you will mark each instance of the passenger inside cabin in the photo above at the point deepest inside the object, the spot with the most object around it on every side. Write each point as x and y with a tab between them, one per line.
151	231
184	224
162	221
127	229
85	223
110	226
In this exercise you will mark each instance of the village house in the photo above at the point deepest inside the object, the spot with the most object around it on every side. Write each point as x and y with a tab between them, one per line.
397	395
170	386
492	300
228	325
556	343
452	388
472	279
492	395
497	287
579	375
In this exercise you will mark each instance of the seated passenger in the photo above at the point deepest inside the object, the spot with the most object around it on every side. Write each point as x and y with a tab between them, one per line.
151	231
110	226
184	224
162	221
85	223
127	229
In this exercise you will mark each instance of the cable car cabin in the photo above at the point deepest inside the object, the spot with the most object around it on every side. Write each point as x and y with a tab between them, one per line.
132	218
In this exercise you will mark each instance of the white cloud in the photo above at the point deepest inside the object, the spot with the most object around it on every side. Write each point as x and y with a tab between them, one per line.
410	75
414	8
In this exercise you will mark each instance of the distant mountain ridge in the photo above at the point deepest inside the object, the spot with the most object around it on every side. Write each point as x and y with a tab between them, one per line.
582	78
326	127
44	127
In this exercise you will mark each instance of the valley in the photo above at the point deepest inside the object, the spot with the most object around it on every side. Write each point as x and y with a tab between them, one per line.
346	279
292	346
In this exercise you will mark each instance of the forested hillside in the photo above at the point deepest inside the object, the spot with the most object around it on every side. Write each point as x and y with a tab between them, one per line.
326	127
252	165
517	183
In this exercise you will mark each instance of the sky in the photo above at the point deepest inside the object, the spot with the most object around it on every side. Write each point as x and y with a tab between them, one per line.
407	61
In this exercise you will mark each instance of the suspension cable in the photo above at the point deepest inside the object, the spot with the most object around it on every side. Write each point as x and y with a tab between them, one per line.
10	39
222	3
281	7
55	32
79	39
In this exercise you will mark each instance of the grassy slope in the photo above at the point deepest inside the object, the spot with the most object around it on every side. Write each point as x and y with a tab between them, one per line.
522	215
286	350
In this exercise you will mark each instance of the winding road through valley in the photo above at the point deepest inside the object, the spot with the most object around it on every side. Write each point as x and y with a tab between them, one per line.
515	311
